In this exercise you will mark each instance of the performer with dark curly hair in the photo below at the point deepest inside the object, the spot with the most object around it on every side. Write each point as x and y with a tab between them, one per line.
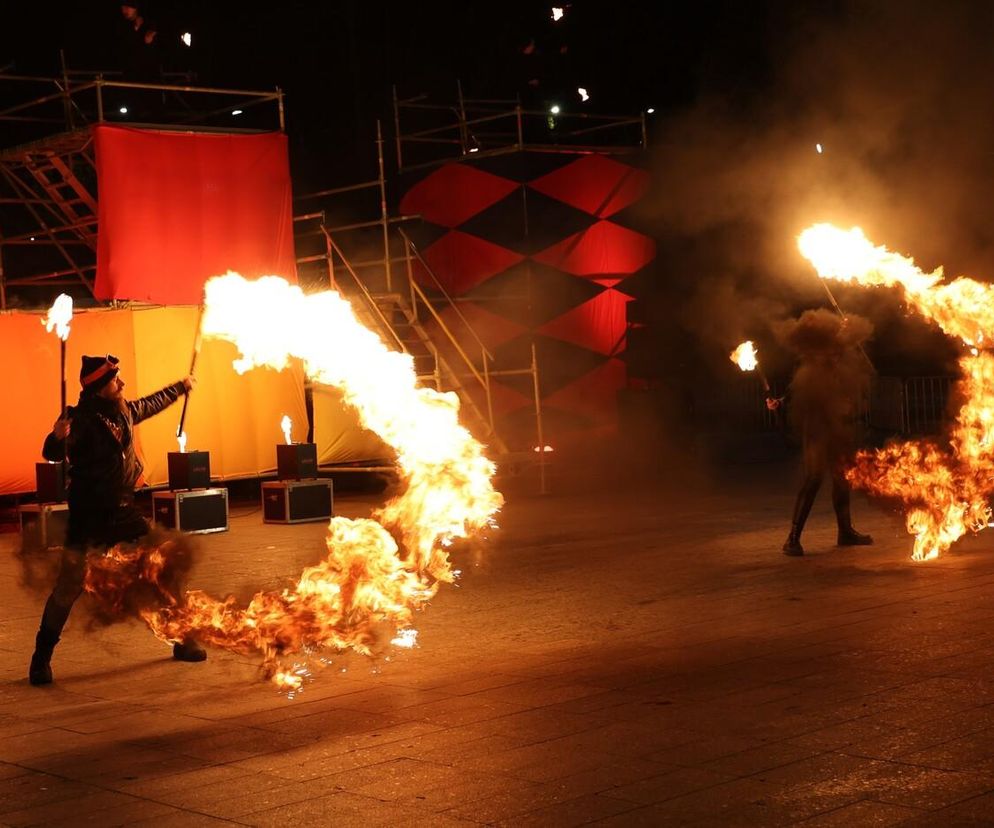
825	396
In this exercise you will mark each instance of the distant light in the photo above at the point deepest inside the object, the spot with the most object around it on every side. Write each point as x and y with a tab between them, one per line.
557	13
236	112
582	93
123	110
818	147
474	149
554	109
650	110
187	38
32	238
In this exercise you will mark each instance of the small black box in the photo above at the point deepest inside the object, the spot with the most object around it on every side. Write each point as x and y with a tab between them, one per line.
189	470
50	482
43	525
197	512
296	501
296	461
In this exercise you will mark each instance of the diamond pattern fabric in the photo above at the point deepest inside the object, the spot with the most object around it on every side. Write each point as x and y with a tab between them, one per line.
531	254
454	193
595	184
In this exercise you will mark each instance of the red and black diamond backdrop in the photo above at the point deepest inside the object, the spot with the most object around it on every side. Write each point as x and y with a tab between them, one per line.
535	246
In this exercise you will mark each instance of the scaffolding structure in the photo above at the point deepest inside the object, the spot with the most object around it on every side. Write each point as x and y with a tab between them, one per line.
428	133
48	182
49	215
371	262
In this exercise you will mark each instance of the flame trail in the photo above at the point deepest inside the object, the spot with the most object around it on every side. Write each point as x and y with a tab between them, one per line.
377	572
945	490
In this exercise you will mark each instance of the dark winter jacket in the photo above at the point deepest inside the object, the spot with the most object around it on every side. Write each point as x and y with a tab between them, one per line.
103	467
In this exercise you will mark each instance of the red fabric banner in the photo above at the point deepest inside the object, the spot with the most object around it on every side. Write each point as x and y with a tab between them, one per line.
177	208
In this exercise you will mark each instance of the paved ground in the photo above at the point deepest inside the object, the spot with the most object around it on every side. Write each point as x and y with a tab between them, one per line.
628	658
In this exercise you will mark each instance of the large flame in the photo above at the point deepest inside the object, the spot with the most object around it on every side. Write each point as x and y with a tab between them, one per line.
59	316
745	356
944	488
377	572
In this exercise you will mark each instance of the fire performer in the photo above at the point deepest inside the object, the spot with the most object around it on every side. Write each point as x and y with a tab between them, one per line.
825	393
97	436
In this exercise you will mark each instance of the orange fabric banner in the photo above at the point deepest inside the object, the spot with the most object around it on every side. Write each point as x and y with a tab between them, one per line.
178	208
236	418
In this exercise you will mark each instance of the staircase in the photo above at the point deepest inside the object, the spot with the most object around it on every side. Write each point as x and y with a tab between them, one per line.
53	180
435	369
66	194
440	361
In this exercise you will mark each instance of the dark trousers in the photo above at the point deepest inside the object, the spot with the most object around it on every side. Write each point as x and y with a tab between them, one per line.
90	527
819	460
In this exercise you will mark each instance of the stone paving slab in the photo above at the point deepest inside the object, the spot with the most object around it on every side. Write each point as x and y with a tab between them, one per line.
637	656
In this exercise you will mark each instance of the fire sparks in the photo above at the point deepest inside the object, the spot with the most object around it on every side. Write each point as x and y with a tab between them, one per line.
945	487
59	316
287	425
376	572
745	356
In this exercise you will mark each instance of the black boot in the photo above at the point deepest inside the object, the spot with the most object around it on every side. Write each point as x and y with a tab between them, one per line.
40	670
189	650
850	537
840	500
802	508
792	546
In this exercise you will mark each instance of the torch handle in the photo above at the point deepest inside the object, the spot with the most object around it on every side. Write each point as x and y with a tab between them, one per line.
62	375
197	341
182	416
762	378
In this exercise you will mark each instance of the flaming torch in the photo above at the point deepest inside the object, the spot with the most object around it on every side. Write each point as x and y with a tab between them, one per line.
945	487
58	318
377	571
746	357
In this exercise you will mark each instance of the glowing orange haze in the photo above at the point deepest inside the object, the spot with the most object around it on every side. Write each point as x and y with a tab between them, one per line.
945	486
377	572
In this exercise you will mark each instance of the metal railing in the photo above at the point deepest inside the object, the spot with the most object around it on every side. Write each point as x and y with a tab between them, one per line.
420	299
36	107
487	126
899	406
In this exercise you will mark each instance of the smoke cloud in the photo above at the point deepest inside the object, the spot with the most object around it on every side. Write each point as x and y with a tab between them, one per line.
832	375
896	95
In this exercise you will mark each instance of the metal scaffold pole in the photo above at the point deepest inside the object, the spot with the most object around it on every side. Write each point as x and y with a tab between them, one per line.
384	212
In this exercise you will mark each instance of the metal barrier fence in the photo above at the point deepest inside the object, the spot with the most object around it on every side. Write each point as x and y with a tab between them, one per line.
926	404
907	406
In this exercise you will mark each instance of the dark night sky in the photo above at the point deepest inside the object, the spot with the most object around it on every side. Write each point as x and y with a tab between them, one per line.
899	94
338	60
